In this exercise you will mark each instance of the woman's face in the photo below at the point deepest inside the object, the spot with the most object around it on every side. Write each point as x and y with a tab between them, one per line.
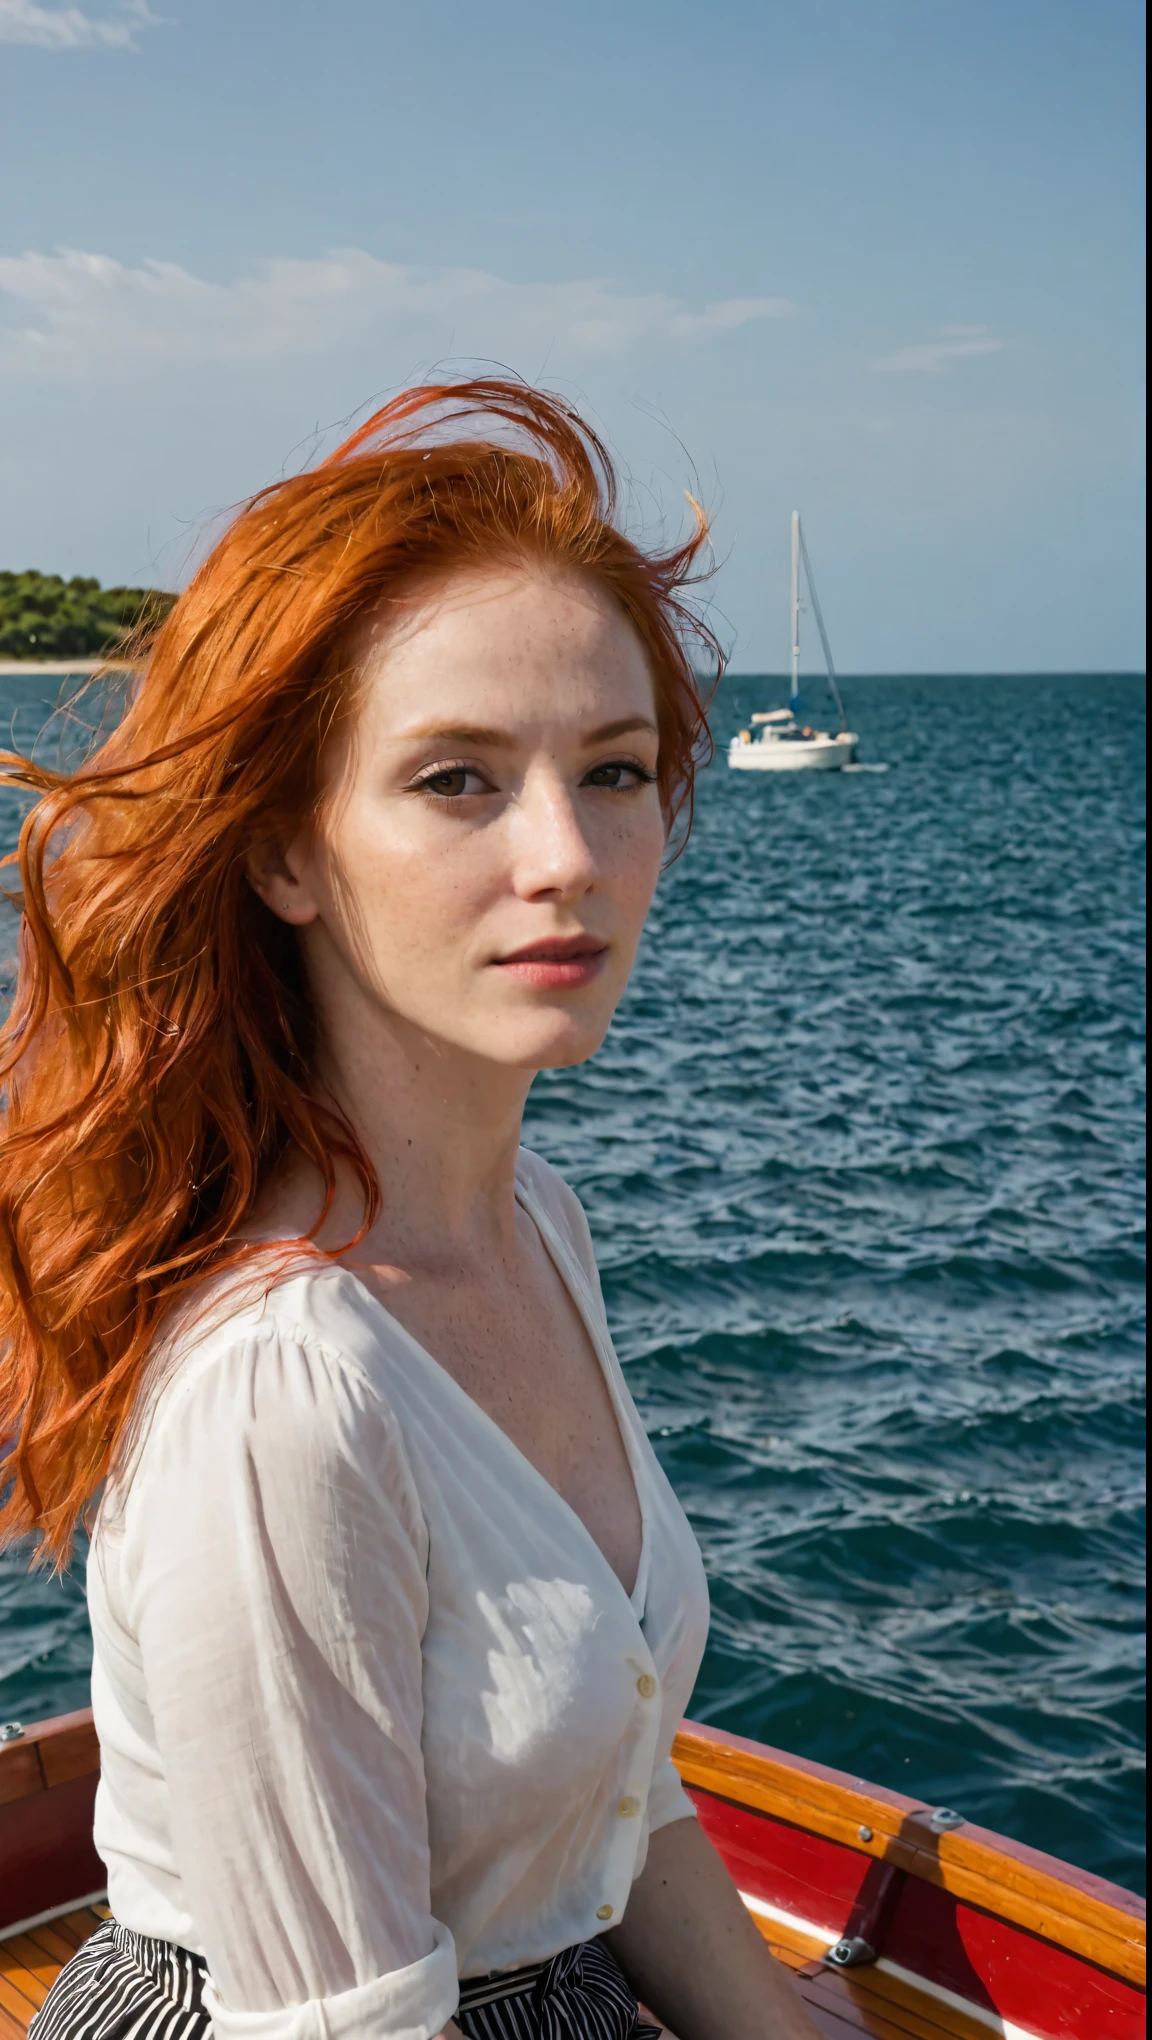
490	833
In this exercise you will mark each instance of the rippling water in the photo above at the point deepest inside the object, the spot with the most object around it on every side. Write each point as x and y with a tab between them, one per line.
863	1160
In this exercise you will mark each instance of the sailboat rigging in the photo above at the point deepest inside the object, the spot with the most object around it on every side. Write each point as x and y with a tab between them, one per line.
784	744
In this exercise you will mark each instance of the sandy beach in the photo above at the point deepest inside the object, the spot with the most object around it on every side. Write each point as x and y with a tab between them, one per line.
58	668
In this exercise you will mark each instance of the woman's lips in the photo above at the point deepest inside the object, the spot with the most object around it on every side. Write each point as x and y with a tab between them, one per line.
561	965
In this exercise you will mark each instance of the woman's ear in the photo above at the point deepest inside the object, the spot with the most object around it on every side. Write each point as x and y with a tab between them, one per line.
281	880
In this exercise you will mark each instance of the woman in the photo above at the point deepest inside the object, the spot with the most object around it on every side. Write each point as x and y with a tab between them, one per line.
394	1614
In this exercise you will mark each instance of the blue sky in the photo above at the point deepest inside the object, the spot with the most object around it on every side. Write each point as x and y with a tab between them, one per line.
875	259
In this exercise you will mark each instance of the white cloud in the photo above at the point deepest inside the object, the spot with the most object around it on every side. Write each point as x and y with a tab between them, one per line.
69	28
728	312
955	344
71	313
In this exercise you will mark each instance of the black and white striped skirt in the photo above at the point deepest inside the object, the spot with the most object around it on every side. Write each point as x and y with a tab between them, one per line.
123	1986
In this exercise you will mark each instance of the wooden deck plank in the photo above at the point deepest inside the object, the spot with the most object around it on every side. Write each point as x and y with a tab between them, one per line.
926	2015
33	1982
13	1999
868	2000
858	2018
789	1958
836	2026
30	1963
55	1947
24	1951
909	2014
76	1927
74	1936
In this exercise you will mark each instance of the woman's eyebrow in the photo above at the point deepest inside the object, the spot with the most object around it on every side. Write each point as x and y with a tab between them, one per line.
626	726
458	733
471	733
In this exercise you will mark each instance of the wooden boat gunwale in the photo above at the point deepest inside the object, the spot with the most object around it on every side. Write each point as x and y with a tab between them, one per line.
881	1846
1070	1907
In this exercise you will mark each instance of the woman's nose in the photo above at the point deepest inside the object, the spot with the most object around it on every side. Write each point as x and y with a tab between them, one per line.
551	848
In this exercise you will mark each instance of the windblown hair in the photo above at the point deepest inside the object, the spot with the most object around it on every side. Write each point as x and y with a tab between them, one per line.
156	1063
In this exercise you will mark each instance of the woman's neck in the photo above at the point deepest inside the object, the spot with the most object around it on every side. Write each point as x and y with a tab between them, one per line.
441	1130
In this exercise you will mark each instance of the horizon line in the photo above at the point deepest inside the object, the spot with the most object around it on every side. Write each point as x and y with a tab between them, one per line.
958	673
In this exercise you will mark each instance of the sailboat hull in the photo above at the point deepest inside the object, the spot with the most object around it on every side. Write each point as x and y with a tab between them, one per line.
775	754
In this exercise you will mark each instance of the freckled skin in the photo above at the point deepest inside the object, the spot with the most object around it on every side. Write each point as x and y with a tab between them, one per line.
437	859
434	888
404	898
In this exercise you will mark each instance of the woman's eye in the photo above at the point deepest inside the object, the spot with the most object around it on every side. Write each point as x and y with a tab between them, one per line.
451	781
622	774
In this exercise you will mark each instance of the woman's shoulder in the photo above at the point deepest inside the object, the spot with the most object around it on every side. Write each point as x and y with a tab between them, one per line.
277	1359
547	1191
264	1434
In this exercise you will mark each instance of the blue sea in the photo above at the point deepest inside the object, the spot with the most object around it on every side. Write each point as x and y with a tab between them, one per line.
863	1160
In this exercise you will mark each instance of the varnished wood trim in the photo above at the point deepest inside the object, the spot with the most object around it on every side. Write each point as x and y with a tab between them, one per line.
20	1773
1080	1913
48	1753
71	1751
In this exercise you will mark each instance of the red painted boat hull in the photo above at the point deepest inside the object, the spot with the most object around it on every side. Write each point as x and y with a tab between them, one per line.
967	1934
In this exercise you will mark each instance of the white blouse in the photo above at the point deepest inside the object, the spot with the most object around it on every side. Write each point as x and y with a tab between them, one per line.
374	1710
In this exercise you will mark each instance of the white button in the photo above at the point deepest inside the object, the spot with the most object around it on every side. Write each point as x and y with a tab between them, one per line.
645	1685
628	1807
603	1912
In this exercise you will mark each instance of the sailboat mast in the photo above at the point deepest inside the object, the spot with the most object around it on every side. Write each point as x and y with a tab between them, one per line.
794	614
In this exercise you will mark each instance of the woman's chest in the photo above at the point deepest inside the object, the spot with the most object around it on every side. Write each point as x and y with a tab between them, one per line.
530	1638
526	1359
540	1675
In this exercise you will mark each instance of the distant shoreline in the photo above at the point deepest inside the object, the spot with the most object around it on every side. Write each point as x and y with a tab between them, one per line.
60	668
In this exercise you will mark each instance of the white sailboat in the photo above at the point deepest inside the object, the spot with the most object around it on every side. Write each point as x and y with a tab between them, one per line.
784	743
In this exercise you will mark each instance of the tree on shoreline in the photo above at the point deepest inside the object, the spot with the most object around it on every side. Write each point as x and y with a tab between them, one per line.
43	616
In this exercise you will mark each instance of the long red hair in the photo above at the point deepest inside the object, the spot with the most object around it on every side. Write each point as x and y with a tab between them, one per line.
156	1063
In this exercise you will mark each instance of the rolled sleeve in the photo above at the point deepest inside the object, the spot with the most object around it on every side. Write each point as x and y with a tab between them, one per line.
409	2004
667	1799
